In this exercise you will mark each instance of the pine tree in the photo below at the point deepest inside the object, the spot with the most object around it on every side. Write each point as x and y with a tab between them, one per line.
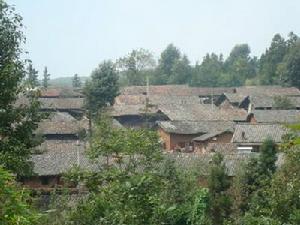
46	78
32	76
218	185
76	81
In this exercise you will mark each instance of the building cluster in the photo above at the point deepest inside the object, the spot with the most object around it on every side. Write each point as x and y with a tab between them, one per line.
205	120
192	123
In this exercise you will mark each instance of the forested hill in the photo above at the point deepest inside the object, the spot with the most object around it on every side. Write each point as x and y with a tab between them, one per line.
64	81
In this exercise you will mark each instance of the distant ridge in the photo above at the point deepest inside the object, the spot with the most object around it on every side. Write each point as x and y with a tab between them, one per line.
65	81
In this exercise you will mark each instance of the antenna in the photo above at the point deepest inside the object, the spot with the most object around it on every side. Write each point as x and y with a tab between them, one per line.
147	88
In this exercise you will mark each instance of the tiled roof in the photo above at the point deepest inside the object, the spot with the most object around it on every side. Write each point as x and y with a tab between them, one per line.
276	116
212	134
202	162
60	92
258	133
61	103
195	127
267	90
156	99
59	123
234	97
126	110
177	90
199	112
59	157
263	101
224	148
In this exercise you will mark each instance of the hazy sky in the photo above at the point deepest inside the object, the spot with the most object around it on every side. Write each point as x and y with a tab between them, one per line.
73	36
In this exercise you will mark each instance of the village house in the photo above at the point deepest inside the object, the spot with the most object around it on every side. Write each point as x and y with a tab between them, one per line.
249	137
182	135
258	97
62	147
264	102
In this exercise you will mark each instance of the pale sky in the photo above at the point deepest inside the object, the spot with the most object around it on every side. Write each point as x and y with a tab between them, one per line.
74	36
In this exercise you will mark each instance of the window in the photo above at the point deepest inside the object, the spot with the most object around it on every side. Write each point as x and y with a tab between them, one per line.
45	180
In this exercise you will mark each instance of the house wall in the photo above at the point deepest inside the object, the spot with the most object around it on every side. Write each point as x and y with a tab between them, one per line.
171	141
165	137
201	147
181	140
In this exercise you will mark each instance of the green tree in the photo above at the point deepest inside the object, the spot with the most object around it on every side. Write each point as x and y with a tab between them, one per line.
290	69
280	198
136	66
14	207
76	82
168	59
46	78
239	65
208	72
218	184
19	112
32	76
181	71
256	177
103	87
271	59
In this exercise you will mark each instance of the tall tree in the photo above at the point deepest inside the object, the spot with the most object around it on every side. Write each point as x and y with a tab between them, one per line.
290	67
208	72
136	66
18	119
168	59
181	71
32	76
76	82
218	185
46	78
103	87
239	65
271	59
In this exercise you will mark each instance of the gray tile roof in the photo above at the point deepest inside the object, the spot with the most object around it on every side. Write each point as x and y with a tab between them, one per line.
224	148
125	110
61	123
202	162
176	90
212	134
258	133
59	157
263	101
156	99
62	103
276	116
195	127
267	90
198	112
234	97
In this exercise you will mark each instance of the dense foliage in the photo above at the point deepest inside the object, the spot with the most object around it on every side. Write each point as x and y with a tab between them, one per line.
14	208
19	108
278	65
